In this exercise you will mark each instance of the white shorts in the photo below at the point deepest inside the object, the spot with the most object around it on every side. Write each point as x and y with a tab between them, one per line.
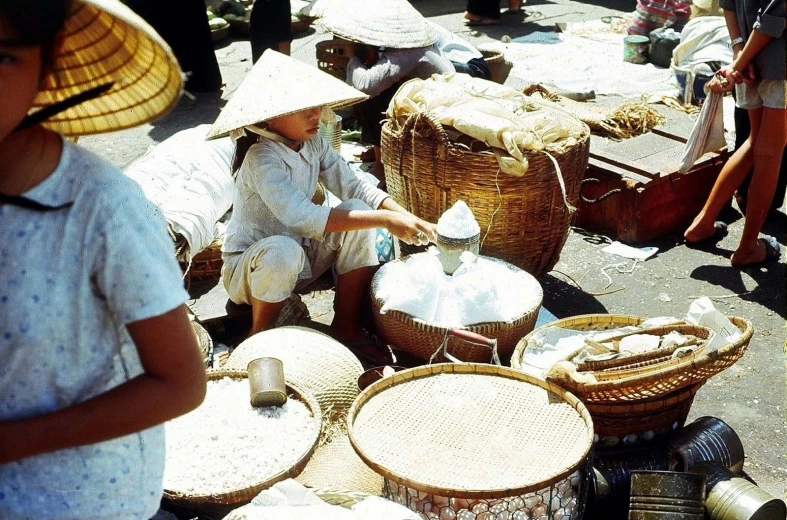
769	93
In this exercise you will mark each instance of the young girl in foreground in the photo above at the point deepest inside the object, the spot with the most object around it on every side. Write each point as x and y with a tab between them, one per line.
278	239
95	343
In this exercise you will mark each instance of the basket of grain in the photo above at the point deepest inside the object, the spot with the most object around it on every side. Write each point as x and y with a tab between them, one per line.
473	441
642	395
525	216
424	339
226	452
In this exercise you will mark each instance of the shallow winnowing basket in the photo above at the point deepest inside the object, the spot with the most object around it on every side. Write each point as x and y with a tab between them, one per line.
524	220
423	340
240	496
472	441
633	401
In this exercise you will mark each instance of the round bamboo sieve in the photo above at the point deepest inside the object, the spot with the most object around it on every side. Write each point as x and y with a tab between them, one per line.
470	431
240	496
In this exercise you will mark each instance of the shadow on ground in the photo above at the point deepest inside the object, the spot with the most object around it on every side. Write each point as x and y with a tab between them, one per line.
188	114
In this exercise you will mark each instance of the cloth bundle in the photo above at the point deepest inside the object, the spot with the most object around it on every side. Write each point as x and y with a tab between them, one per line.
190	180
499	116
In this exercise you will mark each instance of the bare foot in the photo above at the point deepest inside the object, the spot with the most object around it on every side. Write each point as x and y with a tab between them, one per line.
699	230
514	6
483	21
766	249
473	17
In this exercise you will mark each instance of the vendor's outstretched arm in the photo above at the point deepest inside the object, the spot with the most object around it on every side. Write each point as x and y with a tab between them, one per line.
403	225
173	383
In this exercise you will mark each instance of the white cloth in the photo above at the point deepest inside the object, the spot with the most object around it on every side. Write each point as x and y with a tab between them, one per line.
273	267
707	134
395	65
190	180
275	186
453	46
703	40
70	281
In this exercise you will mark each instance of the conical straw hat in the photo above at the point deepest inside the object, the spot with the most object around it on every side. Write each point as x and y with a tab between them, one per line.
106	43
383	23
277	86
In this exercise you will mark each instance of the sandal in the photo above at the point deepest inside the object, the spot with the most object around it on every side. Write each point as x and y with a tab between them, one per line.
772	252
482	22
720	231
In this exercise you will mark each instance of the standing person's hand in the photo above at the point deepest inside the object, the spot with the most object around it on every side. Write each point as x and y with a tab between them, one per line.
723	81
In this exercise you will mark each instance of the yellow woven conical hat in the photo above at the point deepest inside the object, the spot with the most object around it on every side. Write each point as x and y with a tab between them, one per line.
384	23
277	86
107	43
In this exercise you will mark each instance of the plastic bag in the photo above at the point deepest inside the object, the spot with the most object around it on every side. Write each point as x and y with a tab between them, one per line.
707	134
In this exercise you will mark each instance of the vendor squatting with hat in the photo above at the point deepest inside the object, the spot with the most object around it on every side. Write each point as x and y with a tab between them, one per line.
393	43
97	349
278	239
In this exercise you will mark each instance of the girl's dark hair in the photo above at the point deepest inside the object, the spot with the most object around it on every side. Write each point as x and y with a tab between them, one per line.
242	146
37	22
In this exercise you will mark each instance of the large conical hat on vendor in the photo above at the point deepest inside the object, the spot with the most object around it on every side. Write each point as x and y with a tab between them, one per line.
113	71
383	23
277	86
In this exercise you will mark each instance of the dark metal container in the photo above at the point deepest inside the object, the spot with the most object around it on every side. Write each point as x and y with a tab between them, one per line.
612	482
708	439
667	495
266	382
730	497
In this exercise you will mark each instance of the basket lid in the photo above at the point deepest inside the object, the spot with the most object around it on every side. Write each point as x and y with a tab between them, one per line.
470	430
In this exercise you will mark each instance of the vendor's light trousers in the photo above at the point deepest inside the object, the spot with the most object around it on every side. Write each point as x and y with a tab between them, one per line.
272	268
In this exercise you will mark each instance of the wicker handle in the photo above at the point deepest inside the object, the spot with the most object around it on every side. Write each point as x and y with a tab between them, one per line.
473	337
436	126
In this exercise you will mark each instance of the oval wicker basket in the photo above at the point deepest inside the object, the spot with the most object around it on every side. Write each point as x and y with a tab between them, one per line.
422	339
240	496
635	384
455	436
331	58
526	218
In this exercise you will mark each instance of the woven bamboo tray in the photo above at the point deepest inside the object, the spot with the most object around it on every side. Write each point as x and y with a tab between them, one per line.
526	218
475	439
205	342
331	58
313	361
335	465
642	382
241	496
422	339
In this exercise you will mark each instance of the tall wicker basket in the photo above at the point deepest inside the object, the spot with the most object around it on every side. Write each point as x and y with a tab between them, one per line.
526	217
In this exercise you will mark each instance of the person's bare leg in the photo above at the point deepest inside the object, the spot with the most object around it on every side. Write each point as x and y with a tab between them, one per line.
284	47
732	175
350	288
768	149
263	315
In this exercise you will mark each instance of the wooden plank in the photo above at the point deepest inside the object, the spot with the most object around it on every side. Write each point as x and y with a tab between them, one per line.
640	147
625	163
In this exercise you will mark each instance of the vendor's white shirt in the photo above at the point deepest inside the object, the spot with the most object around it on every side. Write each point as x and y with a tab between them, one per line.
70	281
453	46
274	190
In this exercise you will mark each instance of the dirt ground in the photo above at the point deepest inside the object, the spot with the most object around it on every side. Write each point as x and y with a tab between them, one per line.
750	396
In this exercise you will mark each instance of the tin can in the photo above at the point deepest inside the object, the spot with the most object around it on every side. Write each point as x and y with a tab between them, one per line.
636	48
708	439
332	132
667	495
730	497
613	469
266	382
451	250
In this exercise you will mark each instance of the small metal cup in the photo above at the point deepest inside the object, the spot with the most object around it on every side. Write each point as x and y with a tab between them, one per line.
266	382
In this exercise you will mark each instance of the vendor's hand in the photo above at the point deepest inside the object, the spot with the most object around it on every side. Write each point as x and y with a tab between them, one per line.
411	229
745	75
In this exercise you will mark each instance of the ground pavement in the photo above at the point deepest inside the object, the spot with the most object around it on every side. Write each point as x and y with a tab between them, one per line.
750	396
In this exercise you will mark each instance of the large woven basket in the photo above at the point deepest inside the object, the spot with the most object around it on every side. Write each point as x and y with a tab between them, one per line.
313	361
241	496
470	439
526	217
615	386
423	340
331	58
336	465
